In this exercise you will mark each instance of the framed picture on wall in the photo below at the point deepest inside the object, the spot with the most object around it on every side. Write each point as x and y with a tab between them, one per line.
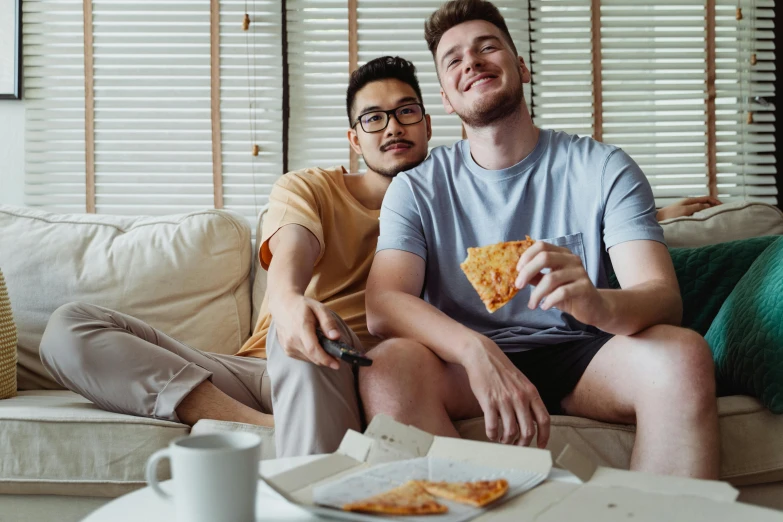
11	49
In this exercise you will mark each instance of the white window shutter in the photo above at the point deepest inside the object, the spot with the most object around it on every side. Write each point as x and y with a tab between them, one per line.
53	49
745	147
153	148
318	77
251	84
153	143
561	64
654	88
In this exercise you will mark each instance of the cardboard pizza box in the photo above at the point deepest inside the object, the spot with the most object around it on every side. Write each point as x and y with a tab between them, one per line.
583	492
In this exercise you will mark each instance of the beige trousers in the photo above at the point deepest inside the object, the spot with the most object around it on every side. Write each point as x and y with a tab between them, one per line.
124	365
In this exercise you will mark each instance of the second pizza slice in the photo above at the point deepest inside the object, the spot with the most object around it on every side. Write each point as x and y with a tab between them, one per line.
408	499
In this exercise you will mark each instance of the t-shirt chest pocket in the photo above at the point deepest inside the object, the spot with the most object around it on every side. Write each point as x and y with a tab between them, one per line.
572	242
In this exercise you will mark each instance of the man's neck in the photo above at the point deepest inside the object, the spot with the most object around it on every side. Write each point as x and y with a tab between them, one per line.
504	143
368	188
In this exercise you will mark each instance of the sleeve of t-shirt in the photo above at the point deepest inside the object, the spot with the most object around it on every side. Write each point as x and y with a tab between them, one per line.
629	206
292	202
401	227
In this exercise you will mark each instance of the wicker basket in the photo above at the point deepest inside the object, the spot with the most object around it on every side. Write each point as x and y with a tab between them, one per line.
7	345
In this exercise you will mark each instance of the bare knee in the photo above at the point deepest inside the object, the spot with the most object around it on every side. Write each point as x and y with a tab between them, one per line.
683	362
401	373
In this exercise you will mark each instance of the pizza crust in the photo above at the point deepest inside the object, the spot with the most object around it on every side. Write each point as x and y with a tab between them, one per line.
492	270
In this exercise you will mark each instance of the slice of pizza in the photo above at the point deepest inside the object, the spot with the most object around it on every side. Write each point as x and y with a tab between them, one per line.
492	271
479	493
408	499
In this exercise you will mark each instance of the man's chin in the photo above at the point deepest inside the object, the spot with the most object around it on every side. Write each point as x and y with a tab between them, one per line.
391	171
487	111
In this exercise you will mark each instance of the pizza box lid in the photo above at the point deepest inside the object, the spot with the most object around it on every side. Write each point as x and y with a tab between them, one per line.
584	492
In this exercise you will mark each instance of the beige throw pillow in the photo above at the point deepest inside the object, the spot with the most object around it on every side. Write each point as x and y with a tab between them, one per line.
186	275
7	345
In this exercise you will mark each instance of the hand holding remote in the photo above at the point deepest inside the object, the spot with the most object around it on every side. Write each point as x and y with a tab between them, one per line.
341	350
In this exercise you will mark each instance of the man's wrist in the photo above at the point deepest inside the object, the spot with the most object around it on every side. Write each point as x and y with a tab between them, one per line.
281	297
606	311
473	349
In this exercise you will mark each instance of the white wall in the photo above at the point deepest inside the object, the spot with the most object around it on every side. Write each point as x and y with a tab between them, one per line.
12	152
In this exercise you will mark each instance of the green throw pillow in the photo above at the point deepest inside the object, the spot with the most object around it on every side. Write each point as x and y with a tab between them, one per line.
746	336
708	274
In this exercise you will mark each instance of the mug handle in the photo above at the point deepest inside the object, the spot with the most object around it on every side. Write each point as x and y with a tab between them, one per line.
152	475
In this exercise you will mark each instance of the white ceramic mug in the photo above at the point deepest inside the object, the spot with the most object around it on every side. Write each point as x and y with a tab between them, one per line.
215	476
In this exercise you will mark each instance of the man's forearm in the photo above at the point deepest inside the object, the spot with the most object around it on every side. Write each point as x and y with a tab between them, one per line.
629	311
293	259
288	275
399	314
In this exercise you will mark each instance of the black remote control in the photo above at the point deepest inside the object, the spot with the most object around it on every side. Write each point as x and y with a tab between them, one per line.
342	351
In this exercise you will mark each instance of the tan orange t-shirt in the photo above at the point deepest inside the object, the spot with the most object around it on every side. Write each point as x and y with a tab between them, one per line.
347	231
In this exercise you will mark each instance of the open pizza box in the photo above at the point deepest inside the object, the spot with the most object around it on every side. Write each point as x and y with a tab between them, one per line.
537	492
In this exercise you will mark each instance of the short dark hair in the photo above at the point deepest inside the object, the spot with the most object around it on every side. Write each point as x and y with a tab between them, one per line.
383	68
457	12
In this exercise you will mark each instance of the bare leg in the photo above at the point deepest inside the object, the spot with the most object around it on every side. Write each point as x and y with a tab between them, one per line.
206	401
408	382
662	379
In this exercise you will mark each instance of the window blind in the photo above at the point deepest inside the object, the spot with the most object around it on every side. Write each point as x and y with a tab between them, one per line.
153	142
685	87
650	61
318	77
745	87
53	47
251	110
152	118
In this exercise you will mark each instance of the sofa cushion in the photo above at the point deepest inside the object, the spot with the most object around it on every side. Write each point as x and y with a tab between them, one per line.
187	275
746	337
751	442
726	222
59	443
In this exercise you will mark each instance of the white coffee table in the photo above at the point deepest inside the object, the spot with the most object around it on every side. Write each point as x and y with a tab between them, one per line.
144	505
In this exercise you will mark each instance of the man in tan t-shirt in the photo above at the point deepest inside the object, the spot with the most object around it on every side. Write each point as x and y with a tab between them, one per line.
318	242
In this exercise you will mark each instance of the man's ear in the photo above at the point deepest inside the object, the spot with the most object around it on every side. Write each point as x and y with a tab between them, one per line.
446	102
526	77
429	126
353	141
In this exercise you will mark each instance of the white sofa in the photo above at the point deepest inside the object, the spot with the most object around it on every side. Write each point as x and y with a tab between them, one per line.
191	276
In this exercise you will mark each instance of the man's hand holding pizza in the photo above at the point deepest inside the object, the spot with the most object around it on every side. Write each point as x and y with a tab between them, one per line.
565	286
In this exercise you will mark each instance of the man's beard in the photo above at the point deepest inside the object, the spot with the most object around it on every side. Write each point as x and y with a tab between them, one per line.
490	110
392	171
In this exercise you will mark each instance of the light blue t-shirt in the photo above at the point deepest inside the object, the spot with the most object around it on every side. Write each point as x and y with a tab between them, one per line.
570	191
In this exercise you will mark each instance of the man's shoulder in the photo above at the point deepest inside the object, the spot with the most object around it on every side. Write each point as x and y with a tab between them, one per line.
312	177
441	160
589	156
585	146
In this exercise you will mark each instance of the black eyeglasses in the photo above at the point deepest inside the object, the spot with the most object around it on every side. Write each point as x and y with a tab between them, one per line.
376	121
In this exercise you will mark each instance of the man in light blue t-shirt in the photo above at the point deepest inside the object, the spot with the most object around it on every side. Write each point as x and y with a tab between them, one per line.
565	343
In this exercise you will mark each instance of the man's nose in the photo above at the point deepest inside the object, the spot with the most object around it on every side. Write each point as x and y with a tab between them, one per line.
472	60
394	128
